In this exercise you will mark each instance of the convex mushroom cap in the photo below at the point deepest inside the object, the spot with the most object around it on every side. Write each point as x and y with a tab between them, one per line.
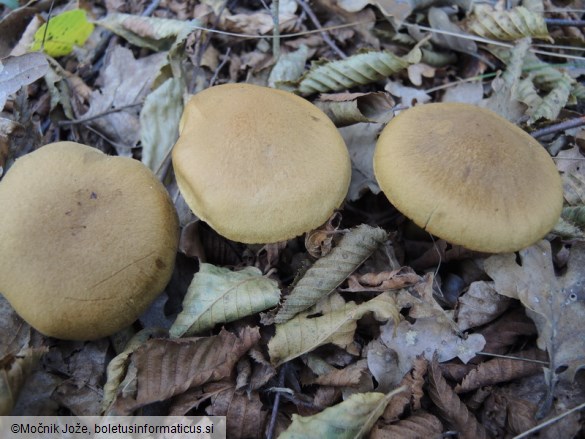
467	175
259	165
87	240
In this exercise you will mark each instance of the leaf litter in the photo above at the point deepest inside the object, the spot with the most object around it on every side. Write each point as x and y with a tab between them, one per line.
367	305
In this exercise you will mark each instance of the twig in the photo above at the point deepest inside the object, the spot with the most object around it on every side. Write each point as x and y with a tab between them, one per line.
549	422
276	31
564	22
220	66
151	8
571	123
274	415
317	24
512	357
97	116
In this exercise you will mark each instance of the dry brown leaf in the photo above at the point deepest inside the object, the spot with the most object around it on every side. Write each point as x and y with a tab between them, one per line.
14	371
414	382
520	415
351	108
125	81
419	425
557	306
166	368
244	413
506	331
426	336
451	407
319	242
480	305
500	370
383	281
347	377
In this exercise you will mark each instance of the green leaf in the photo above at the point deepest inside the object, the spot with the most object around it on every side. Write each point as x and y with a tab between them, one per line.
363	68
63	31
350	419
330	271
509	25
218	295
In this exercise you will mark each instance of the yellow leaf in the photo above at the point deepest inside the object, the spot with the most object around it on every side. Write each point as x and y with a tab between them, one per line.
63	32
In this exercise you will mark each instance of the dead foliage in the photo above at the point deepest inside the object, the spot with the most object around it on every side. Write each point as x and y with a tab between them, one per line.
367	325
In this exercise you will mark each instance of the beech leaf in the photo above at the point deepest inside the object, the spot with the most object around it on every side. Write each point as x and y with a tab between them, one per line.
508	25
331	270
304	333
169	367
153	33
219	295
352	418
360	69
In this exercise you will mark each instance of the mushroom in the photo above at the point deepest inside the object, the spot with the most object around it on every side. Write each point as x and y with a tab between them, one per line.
87	241
259	165
469	176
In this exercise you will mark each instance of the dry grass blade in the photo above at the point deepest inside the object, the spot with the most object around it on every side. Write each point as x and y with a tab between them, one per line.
451	407
170	367
330	271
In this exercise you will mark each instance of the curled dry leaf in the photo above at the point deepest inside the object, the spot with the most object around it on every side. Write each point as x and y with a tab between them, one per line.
166	368
508	25
362	68
118	366
557	306
347	377
330	271
154	33
419	425
409	400
304	333
501	370
480	305
351	108
383	281
451	407
13	373
319	242
219	295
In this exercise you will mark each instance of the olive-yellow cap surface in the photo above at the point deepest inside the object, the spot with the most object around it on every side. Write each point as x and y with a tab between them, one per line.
467	175
87	240
259	165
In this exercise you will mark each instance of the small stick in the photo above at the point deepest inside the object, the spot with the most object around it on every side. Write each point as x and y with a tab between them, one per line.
272	426
571	123
317	24
276	31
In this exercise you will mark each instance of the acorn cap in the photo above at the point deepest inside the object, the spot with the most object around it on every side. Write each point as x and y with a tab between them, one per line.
467	175
259	165
87	241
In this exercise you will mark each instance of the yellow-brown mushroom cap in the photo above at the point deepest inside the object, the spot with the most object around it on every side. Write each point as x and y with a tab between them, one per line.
87	240
259	165
467	175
